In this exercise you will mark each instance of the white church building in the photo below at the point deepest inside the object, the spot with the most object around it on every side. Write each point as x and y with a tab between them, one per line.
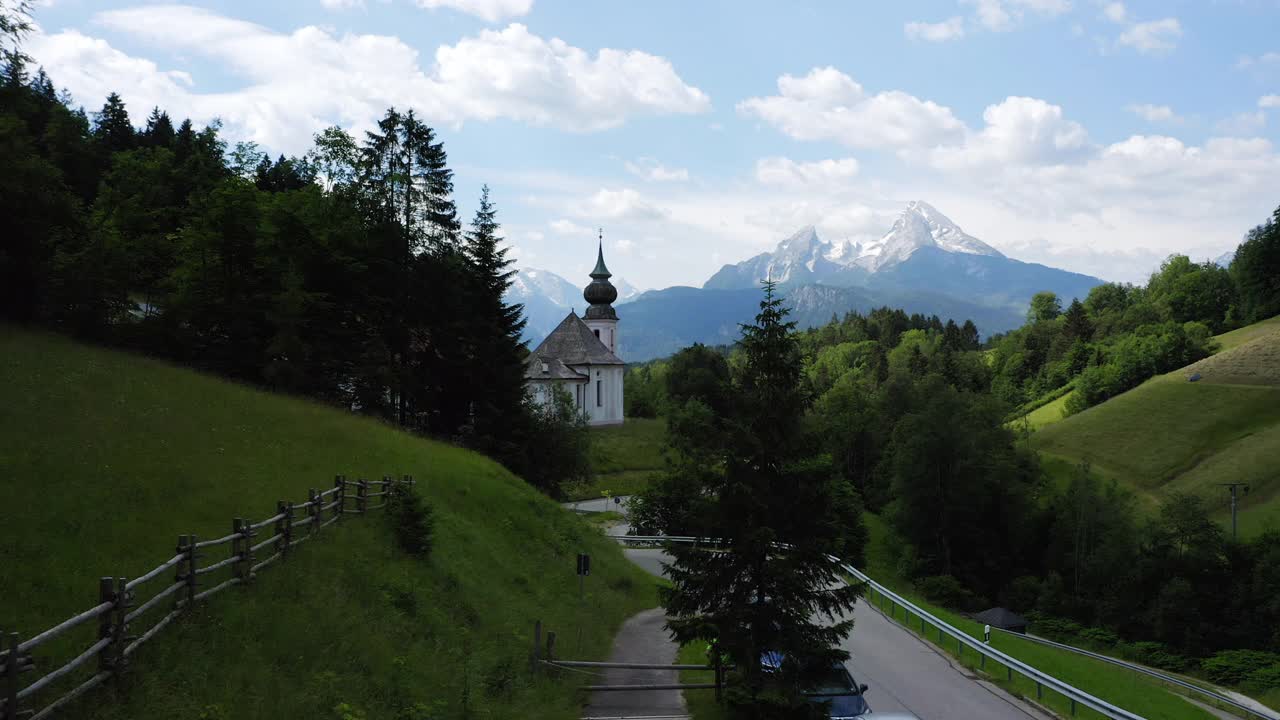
580	355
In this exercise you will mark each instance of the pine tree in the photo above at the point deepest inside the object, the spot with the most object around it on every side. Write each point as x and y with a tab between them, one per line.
779	514
159	131
499	383
112	127
1076	324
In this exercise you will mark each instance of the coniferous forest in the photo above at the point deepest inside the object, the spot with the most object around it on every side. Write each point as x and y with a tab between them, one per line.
345	275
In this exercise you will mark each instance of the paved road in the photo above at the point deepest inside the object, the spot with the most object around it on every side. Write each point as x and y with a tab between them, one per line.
902	672
642	639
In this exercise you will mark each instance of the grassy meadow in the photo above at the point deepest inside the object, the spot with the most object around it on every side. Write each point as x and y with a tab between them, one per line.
623	458
108	457
1170	435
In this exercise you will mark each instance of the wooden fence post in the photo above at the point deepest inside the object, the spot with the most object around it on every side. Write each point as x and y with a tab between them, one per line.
106	593
313	511
340	482
185	572
120	629
284	527
362	492
11	665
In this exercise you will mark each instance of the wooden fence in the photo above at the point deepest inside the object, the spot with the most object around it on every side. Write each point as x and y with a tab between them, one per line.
118	609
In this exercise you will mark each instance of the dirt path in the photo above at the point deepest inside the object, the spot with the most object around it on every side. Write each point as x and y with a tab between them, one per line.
642	639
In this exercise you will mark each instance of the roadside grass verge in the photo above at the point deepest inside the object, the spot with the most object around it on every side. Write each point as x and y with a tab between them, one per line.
623	482
1131	691
702	703
111	456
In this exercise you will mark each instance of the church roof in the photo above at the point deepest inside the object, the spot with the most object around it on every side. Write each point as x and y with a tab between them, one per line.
573	343
555	370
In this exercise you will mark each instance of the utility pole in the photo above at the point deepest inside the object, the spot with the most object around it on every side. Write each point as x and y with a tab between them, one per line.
1234	487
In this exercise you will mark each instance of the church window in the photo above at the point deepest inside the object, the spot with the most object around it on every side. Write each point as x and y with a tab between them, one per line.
597	333
598	396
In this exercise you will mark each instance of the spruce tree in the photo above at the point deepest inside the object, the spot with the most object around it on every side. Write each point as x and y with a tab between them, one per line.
780	515
112	127
499	367
159	131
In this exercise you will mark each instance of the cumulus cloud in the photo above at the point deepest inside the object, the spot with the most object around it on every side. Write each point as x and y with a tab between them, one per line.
1265	59
654	171
1004	15
1269	101
567	227
1017	131
624	204
787	172
1154	36
827	104
1115	12
950	29
341	4
489	10
297	83
1154	113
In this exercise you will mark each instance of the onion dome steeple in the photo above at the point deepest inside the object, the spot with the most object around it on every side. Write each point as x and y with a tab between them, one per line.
601	293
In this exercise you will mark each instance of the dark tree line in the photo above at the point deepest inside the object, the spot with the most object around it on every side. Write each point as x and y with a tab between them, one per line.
344	275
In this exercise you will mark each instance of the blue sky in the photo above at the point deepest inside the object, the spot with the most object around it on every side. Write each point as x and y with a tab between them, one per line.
1095	136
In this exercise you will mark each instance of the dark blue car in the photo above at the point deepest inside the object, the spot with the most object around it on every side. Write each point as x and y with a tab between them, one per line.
836	686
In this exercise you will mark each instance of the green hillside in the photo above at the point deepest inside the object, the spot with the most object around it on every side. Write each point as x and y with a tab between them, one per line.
1170	434
109	457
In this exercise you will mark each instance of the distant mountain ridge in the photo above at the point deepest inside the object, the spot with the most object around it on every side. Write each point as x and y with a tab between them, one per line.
924	263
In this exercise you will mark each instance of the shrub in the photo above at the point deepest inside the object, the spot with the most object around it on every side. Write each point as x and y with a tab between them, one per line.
1232	667
1099	637
413	522
1263	679
946	591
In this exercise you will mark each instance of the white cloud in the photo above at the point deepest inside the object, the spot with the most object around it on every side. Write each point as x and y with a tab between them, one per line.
341	4
1115	12
489	10
1263	60
1154	113
1004	15
826	104
949	29
652	170
1019	131
624	204
568	227
300	82
1269	101
1154	36
1245	124
787	172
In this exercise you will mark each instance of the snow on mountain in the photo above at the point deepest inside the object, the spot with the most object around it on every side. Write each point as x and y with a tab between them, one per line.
1225	259
805	257
547	298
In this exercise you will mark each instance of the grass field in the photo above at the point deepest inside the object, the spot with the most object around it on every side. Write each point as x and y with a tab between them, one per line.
1172	435
109	457
1129	690
623	458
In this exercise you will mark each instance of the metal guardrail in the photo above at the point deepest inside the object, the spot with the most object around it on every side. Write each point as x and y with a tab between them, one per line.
1171	679
963	639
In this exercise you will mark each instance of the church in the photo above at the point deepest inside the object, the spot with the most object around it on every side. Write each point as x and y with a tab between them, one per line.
581	355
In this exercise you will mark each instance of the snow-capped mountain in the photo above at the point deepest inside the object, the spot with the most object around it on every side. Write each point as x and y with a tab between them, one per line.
547	297
806	258
1225	259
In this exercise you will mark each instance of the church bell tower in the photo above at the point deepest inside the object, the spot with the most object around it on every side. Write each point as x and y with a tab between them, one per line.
600	316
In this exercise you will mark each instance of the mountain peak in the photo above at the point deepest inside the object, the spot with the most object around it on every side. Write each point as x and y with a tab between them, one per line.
920	225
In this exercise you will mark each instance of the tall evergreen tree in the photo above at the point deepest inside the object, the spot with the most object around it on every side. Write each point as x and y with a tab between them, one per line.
159	131
499	382
1076	324
780	515
112	128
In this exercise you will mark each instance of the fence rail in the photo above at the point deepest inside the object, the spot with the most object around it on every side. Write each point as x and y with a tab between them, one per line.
1074	695
115	612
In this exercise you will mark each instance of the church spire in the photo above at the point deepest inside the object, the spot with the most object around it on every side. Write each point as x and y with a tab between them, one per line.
601	272
600	293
